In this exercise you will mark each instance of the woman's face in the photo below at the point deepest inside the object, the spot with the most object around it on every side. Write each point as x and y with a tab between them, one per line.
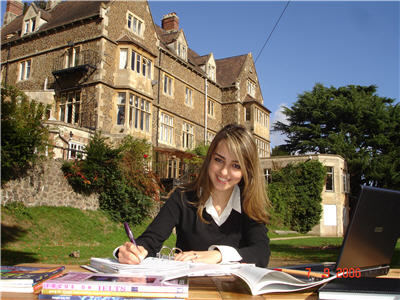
224	169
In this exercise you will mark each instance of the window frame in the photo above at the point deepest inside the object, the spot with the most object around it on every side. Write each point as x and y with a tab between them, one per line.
166	135
168	85
210	108
25	69
330	177
188	141
188	96
135	24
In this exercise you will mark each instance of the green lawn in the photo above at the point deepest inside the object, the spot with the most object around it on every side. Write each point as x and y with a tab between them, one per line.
50	234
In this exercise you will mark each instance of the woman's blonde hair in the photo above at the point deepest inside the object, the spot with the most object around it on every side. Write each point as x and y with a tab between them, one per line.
241	144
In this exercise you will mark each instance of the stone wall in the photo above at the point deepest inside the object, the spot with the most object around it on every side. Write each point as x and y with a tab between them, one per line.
46	185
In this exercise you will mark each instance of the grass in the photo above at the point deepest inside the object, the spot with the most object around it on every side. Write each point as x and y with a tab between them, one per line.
50	234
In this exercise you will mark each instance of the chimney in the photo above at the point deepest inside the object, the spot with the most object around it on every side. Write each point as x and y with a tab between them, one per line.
14	9
170	22
51	4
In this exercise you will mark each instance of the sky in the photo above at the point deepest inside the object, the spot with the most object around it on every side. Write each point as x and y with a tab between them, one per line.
335	43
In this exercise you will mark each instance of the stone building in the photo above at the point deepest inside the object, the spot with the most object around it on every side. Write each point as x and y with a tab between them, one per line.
335	195
106	66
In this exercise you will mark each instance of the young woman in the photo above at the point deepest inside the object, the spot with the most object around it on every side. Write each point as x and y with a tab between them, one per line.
221	216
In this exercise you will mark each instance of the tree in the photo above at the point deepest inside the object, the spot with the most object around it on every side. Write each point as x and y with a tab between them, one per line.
353	122
23	136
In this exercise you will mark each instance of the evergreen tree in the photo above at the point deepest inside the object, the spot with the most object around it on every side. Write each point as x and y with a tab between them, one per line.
351	121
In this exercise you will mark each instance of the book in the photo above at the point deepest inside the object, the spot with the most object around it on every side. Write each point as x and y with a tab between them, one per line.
113	294
82	297
26	279
367	288
260	280
80	283
150	265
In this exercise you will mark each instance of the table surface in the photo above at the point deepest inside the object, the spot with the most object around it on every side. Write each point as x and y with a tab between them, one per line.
223	287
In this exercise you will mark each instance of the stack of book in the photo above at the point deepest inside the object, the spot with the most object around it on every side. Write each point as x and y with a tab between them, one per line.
82	285
26	279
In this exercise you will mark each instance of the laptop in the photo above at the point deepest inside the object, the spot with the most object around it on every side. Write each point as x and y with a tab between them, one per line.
371	236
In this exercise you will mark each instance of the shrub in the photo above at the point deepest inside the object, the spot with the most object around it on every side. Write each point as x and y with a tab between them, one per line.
23	136
295	194
135	165
101	172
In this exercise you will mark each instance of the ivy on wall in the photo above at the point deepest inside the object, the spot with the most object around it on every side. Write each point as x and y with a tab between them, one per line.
295	194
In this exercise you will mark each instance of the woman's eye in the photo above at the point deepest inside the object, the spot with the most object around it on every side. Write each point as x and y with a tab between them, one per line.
236	166
217	159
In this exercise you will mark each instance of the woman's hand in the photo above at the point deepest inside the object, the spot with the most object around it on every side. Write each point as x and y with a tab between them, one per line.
209	257
131	254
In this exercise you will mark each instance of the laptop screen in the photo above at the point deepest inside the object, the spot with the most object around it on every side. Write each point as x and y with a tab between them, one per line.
373	231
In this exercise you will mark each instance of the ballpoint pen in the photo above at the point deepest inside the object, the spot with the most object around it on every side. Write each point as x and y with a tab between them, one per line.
129	233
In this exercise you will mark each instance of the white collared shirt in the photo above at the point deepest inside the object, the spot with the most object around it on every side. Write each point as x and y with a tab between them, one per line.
229	254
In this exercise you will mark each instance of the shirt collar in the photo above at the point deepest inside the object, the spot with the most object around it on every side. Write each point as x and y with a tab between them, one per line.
233	203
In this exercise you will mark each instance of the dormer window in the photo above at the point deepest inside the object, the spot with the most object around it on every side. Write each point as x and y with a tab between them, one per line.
135	24
211	72
29	25
181	50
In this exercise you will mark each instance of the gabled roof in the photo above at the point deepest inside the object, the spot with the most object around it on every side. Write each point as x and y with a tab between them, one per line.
228	69
64	13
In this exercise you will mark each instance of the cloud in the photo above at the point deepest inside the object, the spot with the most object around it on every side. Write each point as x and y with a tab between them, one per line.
276	137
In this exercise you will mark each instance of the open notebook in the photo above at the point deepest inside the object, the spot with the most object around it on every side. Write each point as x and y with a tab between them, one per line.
371	236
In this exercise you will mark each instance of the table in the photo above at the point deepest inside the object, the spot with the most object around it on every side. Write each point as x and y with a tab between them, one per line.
223	287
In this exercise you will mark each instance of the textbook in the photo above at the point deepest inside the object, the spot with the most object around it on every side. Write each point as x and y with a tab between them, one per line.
260	280
80	283
26	279
368	288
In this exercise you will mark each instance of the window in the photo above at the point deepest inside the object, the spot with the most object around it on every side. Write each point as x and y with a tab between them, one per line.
25	70
210	108
121	108
72	57
211	72
141	64
138	62
139	113
251	88
167	129
188	96
123	58
329	185
167	85
210	136
76	150
181	50
135	24
29	25
267	175
261	117
133	57
70	105
346	182
187	136
247	114
262	148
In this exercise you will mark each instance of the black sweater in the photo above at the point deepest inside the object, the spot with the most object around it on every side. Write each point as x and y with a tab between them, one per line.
239	231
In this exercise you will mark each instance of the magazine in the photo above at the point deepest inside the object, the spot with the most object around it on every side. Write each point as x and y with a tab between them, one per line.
80	283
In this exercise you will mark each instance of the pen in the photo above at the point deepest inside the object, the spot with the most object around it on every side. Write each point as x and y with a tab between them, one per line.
303	273
129	233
